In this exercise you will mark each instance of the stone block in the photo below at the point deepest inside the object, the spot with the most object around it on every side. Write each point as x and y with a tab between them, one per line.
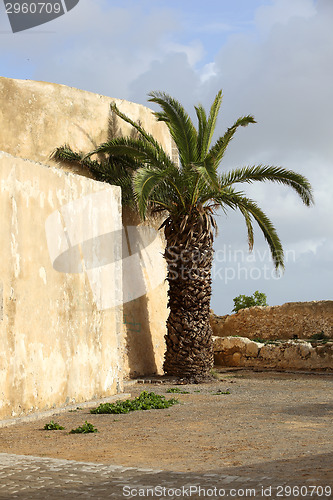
252	349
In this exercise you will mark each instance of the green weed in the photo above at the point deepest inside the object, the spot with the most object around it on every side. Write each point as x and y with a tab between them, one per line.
177	390
53	426
86	428
219	392
146	401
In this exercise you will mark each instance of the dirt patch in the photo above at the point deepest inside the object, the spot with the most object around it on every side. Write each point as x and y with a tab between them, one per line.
266	418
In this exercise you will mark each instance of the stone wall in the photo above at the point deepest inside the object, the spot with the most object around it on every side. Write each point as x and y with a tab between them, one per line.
291	320
289	355
60	323
36	117
145	315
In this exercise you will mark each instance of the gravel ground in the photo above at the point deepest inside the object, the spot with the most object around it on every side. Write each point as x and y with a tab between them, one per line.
270	422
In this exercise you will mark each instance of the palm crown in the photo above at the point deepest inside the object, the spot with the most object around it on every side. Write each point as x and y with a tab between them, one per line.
193	187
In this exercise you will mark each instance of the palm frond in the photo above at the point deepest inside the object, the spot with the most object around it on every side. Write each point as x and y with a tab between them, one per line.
179	124
210	128
146	182
138	149
218	149
64	154
202	126
269	232
206	172
237	200
137	126
249	226
263	173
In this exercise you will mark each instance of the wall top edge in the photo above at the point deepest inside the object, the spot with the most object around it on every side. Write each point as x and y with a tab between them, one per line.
59	172
42	83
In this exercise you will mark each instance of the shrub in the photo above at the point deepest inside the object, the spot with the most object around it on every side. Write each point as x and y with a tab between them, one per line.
319	337
244	301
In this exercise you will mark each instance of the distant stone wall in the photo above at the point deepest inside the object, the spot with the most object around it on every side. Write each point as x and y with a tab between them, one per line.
291	320
289	355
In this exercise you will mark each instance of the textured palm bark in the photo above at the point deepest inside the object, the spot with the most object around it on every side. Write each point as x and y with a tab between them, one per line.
189	256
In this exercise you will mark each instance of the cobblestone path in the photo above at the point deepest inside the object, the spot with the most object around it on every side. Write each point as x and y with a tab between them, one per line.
26	477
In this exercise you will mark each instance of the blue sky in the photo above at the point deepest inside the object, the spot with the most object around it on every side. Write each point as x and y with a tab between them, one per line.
272	58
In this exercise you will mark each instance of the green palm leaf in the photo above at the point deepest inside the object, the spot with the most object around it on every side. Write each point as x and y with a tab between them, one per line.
263	173
211	124
248	208
146	181
180	126
137	149
141	131
217	151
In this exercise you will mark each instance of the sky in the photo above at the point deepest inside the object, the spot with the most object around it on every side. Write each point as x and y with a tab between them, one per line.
271	58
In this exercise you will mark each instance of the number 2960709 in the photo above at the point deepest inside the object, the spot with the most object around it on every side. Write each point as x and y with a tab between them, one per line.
33	8
302	491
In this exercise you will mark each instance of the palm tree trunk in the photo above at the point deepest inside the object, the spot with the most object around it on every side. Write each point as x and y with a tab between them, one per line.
189	255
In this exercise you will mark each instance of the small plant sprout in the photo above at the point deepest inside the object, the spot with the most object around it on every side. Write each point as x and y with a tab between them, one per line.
219	392
76	409
176	390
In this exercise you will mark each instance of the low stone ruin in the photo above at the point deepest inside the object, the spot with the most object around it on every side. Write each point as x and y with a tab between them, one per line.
289	355
295	336
293	319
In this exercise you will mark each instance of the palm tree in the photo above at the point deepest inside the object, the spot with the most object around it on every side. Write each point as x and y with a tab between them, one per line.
187	192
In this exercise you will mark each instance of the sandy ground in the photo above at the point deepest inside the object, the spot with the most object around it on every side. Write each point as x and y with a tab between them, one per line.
269	420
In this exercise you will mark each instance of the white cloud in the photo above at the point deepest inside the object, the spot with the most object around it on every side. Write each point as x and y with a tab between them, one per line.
193	51
283	11
207	72
95	46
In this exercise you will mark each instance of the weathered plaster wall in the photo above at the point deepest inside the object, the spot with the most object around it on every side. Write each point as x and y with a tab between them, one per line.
289	355
36	117
301	319
57	346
